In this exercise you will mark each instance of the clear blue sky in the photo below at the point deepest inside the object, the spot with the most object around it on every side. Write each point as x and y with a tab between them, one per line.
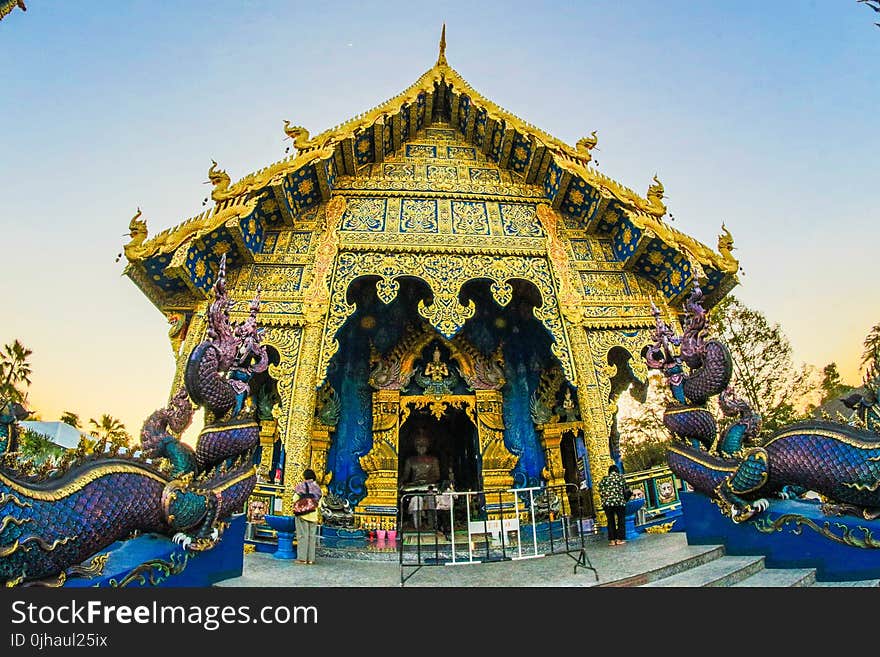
759	114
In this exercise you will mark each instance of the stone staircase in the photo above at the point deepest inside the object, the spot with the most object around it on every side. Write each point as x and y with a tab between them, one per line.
720	569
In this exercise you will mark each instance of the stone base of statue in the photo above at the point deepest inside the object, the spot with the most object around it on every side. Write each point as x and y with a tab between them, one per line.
790	534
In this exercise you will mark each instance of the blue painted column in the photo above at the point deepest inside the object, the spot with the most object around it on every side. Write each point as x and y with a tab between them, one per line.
285	546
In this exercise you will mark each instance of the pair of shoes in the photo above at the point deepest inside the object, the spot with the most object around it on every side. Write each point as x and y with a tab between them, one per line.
301	561
311	563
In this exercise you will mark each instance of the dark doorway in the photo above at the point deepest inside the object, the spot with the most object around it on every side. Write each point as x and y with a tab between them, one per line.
579	499
453	440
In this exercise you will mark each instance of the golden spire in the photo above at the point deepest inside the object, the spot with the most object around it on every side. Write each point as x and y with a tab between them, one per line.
441	60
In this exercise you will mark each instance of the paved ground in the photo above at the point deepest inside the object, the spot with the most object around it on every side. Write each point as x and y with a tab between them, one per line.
633	562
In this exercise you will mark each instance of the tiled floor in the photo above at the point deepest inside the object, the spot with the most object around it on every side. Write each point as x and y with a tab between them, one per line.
641	559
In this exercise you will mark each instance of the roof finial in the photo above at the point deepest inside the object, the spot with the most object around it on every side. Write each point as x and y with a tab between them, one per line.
441	60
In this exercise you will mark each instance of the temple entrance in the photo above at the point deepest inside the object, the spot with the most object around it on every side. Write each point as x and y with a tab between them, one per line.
452	439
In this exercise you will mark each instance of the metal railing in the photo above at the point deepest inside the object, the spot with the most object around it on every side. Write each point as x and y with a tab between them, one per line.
473	527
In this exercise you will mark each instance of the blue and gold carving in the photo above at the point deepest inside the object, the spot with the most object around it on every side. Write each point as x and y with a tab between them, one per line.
464	106
496	141
330	172
270	240
520	153
252	231
363	146
582	249
418	216
625	239
675	280
438	173
298	242
404	122
301	188
469	218
274	279
605	283
420	110
552	180
581	200
155	269
480	120
460	153
420	150
399	171
654	261
440	134
387	140
365	214
484	175
519	220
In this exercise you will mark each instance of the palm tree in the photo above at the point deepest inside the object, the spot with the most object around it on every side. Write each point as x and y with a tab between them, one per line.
109	430
37	447
14	370
71	418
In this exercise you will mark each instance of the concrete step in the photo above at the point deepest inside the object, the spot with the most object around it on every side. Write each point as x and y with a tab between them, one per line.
724	571
858	582
780	577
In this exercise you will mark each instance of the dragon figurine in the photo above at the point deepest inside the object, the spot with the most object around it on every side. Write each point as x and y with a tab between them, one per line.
840	462
54	520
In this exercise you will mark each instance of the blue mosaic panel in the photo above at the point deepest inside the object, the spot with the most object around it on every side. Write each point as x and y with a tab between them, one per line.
363	146
582	249
676	279
653	262
625	239
714	278
252	230
551	180
155	268
609	220
389	145
297	241
496	140
460	153
203	258
606	249
420	150
365	215
519	220
419	216
437	173
581	199
520	153
469	218
484	175
301	188
480	120
330	171
270	240
464	106
404	123
420	110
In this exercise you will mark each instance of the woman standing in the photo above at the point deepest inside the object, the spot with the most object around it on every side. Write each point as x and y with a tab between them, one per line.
612	493
307	524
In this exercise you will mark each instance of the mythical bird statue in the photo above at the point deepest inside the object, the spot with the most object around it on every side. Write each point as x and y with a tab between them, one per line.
838	461
53	522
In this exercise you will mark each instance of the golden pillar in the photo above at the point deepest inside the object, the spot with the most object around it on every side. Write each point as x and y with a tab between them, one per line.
554	472
316	305
381	462
320	447
268	429
498	461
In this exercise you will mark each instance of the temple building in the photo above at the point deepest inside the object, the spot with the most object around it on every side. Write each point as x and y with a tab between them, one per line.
435	265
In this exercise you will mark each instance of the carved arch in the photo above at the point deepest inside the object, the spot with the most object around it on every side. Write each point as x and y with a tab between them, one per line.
445	274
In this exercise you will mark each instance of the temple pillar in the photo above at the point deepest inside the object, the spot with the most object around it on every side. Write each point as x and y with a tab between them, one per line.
381	462
595	413
320	447
554	472
268	428
498	461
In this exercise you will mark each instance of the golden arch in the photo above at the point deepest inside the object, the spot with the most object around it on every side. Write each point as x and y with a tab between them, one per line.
445	274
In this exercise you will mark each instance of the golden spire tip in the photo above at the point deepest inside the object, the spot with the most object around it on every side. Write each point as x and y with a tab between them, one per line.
441	60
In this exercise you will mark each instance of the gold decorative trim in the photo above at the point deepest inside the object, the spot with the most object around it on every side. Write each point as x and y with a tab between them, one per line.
81	482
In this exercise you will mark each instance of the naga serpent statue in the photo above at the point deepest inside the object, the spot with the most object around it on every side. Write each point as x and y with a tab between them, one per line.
838	461
55	519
